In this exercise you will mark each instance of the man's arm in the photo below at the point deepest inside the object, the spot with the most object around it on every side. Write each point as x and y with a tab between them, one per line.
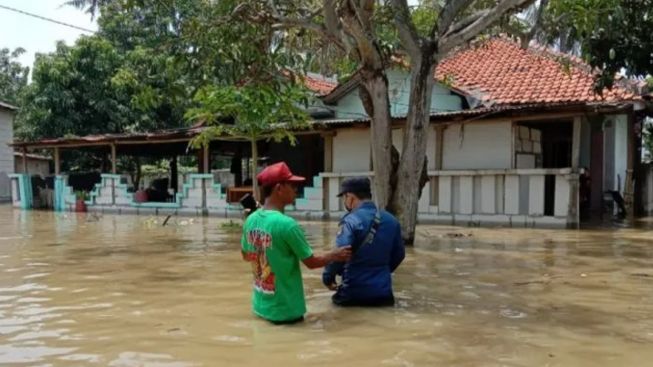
295	238
345	237
339	254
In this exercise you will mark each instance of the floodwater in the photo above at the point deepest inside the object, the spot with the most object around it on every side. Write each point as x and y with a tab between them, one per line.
82	290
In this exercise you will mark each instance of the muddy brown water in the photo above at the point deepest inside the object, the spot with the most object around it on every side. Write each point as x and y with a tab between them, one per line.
83	290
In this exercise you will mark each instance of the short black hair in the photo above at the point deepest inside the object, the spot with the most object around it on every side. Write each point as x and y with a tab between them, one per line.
266	191
362	195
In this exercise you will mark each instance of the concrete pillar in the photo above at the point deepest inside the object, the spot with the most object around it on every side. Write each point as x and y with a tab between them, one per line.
444	194
536	195
488	194
333	201
425	199
511	195
466	194
562	191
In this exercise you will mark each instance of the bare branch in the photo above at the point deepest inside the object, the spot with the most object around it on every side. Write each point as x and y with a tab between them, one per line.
327	30
407	32
450	11
482	22
355	22
466	22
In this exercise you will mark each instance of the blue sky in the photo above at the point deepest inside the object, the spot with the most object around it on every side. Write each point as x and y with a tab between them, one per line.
35	35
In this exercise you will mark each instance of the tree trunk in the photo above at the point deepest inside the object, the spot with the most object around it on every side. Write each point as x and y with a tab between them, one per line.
374	95
410	172
254	166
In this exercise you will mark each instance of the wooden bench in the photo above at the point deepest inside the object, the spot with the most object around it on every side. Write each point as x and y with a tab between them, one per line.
235	193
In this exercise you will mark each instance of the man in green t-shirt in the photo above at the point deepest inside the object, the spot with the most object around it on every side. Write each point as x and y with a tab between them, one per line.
275	244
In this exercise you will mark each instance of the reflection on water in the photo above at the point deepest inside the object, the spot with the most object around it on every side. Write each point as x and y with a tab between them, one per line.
124	291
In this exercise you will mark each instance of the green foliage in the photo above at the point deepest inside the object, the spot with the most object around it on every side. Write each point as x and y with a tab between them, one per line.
612	35
162	168
132	76
71	93
81	195
90	6
252	112
13	75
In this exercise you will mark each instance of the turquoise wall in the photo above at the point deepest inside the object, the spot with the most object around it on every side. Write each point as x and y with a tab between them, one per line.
442	100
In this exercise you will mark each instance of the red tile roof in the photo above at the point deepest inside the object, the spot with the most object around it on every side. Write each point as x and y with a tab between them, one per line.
500	72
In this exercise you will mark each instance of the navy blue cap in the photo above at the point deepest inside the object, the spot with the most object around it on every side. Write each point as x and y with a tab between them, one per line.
355	185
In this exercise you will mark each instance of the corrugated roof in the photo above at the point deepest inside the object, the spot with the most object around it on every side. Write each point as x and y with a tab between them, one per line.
318	84
161	135
33	156
453	116
7	106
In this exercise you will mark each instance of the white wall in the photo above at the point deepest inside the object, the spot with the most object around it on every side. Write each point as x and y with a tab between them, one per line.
6	153
351	150
480	146
34	166
431	145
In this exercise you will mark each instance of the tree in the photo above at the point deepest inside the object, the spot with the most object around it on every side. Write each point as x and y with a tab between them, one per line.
358	28
131	76
252	112
90	6
613	36
71	92
13	75
257	93
425	51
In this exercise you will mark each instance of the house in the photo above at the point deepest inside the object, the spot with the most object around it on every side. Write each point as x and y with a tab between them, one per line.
510	132
7	112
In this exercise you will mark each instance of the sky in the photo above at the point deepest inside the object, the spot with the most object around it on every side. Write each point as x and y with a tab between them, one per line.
36	35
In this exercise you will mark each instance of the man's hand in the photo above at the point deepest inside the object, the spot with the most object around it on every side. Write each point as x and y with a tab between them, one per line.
340	254
333	286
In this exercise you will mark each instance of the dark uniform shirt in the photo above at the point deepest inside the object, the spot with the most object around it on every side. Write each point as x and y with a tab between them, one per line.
366	278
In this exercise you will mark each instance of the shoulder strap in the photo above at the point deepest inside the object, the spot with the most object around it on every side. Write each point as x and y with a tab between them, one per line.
373	228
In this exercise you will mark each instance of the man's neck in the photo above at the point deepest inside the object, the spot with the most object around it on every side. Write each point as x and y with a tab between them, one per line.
272	204
360	203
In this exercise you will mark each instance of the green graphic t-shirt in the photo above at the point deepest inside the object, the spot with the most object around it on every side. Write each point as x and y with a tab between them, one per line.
275	244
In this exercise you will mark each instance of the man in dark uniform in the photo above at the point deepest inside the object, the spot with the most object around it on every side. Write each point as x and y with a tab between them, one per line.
377	250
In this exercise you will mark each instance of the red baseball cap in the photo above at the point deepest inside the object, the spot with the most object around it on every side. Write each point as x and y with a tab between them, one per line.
277	173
